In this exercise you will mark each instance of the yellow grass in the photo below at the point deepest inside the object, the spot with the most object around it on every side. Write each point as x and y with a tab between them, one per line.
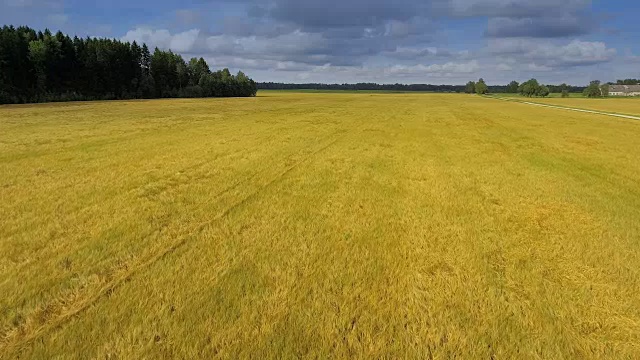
318	225
629	106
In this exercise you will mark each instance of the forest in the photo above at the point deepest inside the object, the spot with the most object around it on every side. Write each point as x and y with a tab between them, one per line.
38	66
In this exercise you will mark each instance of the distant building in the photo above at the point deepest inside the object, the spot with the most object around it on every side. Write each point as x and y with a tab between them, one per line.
624	90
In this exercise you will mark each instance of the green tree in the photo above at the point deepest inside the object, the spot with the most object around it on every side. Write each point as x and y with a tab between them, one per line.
17	75
513	87
196	68
470	88
208	84
530	88
145	59
481	87
38	57
593	90
183	73
543	91
565	93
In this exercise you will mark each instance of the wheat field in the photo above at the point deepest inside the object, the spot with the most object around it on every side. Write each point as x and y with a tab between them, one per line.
302	225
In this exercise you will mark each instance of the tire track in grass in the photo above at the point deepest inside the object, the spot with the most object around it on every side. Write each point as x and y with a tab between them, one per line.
15	339
52	306
568	108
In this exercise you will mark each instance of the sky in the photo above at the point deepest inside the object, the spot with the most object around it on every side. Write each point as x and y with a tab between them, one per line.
383	41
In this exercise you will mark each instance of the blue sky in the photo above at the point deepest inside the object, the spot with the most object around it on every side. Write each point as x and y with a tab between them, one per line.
408	41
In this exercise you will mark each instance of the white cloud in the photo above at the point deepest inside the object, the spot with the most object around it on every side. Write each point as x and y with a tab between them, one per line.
387	54
181	42
514	8
536	67
551	54
442	69
397	28
153	38
581	52
184	41
416	53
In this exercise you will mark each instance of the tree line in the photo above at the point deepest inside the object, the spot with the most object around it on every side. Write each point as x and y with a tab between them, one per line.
627	82
529	88
38	66
532	88
360	87
468	88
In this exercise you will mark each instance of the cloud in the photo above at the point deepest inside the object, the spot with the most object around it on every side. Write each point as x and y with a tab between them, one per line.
544	27
451	72
182	42
580	53
504	67
538	68
372	13
313	14
515	8
34	3
384	40
551	55
350	32
446	69
413	53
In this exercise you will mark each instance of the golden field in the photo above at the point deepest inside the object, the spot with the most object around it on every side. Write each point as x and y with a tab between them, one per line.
318	225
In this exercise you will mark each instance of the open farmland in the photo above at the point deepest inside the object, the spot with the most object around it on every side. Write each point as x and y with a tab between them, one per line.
318	225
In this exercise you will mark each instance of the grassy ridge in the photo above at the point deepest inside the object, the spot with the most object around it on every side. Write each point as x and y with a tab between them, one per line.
329	225
618	105
551	95
320	91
